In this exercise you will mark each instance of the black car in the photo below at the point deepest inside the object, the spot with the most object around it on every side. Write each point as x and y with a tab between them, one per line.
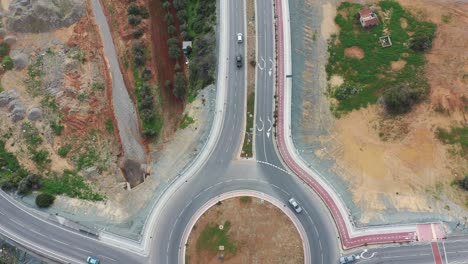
239	61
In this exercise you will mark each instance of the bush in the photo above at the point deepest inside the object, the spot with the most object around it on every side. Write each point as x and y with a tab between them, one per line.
44	200
4	49
57	128
171	30
63	151
137	33
109	125
166	5
180	86
146	74
346	90
134	20
169	19
167	83
400	99
133	9
138	51
420	43
144	13
31	182
7	63
41	157
464	183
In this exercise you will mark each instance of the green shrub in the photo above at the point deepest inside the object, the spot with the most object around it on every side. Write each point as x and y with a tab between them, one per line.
464	183
138	51
137	33
133	9
7	63
63	151
400	99
31	182
31	134
346	90
109	125
88	159
169	19
134	20
41	157
98	86
44	200
420	43
57	128
146	74
180	86
4	49
72	185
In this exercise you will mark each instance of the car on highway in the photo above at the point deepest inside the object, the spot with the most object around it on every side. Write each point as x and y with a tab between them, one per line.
93	260
295	205
239	38
348	259
239	61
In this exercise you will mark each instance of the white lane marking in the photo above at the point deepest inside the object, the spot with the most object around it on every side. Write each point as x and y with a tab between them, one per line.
58	241
263	125
84	250
445	252
37	233
2	213
108	258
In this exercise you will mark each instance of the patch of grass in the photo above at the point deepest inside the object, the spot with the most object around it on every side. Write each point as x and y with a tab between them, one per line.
41	157
57	128
87	159
63	151
373	73
31	135
247	147
455	136
50	103
245	199
71	185
212	237
109	125
98	86
186	121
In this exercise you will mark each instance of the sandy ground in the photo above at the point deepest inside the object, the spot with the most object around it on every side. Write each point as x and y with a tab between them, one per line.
399	163
260	231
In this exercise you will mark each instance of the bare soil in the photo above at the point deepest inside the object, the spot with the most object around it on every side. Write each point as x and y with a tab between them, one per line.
398	65
399	163
259	230
354	52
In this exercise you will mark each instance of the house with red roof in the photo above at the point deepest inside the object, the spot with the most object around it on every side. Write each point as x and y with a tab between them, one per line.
368	18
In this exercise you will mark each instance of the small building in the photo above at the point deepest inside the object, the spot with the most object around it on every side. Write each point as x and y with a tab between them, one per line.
368	18
186	47
385	41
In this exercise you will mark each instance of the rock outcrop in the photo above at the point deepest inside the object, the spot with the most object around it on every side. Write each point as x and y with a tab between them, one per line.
43	15
11	101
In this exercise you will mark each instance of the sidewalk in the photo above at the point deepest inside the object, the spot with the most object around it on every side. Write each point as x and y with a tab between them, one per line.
350	236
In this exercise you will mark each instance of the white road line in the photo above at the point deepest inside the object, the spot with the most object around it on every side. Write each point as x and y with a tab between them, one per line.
108	258
58	241
84	250
37	233
445	252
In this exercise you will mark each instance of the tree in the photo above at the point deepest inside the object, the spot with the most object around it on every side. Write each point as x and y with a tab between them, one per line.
171	30
4	49
133	9
138	51
174	52
7	63
400	99
44	200
420	42
31	182
166	5
180	86
464	183
134	20
137	33
146	74
169	19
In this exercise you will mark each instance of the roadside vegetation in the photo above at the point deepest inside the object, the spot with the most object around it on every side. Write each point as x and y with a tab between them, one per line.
146	92
247	147
13	177
457	136
371	76
186	121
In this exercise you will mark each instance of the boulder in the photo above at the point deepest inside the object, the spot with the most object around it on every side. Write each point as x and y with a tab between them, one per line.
17	116
6	97
14	103
37	16
20	61
34	114
10	40
92	172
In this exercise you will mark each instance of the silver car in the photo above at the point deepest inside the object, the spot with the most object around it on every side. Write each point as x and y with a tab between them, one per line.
295	205
348	259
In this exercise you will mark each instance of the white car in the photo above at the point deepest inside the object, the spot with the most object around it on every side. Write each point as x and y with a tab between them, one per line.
295	205
239	38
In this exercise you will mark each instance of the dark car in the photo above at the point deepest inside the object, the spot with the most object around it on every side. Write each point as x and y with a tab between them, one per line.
239	61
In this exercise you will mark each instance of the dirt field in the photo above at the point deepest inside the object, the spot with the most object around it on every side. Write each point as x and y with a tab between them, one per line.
260	232
400	159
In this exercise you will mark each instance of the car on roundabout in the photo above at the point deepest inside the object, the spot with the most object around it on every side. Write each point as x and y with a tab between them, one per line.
295	205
